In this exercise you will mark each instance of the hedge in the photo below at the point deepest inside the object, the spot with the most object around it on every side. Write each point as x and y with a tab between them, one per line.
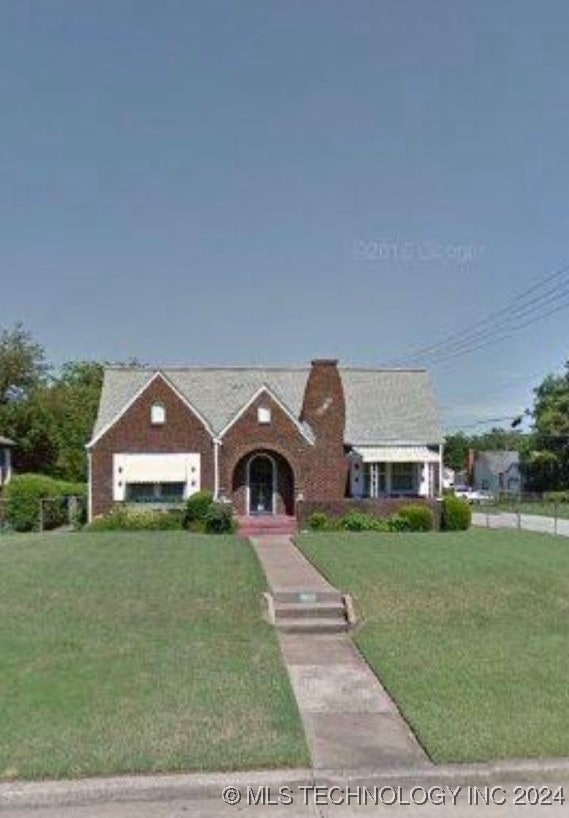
457	514
24	493
420	517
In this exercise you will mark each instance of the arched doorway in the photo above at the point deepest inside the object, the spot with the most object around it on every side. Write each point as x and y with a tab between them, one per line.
261	484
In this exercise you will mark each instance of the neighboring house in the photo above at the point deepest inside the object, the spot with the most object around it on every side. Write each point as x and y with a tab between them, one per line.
264	438
6	447
497	472
448	479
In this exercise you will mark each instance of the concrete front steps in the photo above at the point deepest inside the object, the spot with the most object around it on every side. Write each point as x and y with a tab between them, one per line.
308	611
280	525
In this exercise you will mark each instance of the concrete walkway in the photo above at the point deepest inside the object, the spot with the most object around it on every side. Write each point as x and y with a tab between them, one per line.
351	723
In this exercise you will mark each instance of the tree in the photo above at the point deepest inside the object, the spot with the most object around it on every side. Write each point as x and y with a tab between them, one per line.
72	400
22	364
30	423
455	453
547	464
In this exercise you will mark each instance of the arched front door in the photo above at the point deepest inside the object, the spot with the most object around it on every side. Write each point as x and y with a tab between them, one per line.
261	484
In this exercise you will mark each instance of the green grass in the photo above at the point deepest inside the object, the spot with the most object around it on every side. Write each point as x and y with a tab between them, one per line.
469	632
127	652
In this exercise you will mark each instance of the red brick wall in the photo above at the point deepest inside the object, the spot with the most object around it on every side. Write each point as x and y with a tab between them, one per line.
281	438
380	507
133	433
324	409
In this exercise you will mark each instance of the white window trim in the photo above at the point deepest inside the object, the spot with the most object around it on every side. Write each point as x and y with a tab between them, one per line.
158	408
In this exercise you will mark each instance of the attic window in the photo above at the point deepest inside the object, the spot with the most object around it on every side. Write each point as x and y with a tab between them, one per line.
157	414
263	414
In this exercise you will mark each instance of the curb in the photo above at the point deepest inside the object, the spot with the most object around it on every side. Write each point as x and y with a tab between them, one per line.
529	771
192	786
166	787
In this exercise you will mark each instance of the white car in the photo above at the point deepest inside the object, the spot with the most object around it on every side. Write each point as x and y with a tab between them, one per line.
473	495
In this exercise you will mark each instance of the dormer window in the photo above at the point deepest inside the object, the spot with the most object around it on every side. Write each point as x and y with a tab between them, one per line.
157	414
264	414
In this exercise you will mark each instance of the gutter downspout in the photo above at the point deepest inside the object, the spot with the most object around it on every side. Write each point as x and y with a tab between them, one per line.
89	489
216	445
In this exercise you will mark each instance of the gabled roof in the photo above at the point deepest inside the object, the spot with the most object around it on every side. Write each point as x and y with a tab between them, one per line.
302	427
498	462
382	405
5	441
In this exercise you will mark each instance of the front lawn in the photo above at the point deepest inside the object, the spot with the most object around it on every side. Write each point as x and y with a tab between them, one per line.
145	651
468	631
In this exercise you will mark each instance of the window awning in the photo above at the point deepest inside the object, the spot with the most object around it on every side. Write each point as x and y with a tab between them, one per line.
155	468
396	454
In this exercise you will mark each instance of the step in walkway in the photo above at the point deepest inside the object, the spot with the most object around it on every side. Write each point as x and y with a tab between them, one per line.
351	723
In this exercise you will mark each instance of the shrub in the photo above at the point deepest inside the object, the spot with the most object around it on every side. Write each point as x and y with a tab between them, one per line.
128	519
318	521
398	523
457	514
556	496
358	521
219	519
421	518
196	510
24	493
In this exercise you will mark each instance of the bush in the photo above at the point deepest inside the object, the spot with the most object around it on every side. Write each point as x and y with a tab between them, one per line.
421	518
24	493
196	510
457	514
398	523
358	521
219	519
318	521
128	519
556	496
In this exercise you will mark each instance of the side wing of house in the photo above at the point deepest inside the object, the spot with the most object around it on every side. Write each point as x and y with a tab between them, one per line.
394	430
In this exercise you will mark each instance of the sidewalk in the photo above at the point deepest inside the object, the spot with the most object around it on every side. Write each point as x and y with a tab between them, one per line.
350	722
526	522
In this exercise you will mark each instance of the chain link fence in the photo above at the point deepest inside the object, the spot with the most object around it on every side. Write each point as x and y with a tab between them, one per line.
533	512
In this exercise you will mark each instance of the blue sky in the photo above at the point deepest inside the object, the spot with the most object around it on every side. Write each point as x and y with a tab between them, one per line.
263	181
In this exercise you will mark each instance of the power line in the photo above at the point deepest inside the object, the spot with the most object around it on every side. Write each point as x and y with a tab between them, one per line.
521	307
495	338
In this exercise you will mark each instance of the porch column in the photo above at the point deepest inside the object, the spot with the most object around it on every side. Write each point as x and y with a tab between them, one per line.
424	482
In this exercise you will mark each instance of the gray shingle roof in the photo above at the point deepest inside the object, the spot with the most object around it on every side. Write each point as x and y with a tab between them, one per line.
382	405
498	462
5	441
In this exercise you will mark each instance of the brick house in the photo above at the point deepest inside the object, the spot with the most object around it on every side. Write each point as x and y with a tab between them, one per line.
270	440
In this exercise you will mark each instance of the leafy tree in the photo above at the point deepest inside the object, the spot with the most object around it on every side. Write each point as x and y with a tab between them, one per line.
22	364
455	453
31	425
72	400
546	465
498	439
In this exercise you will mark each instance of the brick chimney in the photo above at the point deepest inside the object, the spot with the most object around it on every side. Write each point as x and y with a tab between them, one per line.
324	409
